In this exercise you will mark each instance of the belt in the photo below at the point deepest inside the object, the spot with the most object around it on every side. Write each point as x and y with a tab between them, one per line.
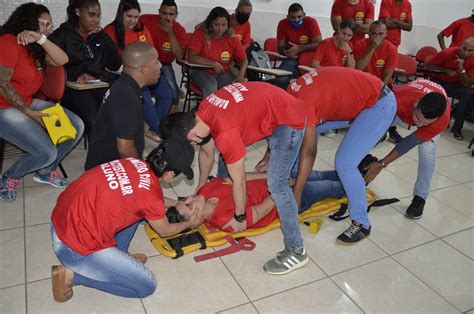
384	91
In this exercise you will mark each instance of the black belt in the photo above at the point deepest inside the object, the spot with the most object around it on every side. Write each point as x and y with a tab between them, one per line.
384	91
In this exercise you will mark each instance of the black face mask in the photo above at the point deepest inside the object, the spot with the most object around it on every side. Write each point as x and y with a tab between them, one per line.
241	17
205	140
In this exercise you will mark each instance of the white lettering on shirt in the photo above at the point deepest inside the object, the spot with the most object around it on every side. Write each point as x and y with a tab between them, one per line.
116	177
144	178
236	90
217	101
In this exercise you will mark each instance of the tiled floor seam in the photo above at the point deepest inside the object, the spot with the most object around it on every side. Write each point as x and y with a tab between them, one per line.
25	248
235	279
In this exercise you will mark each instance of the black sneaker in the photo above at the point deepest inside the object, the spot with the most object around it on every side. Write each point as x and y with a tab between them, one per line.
353	234
393	135
368	159
457	134
415	210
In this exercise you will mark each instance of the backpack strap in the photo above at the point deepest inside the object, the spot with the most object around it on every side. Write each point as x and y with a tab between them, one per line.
236	245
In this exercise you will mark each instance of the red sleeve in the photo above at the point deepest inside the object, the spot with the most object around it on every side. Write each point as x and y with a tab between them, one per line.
10	51
147	34
439	58
409	16
384	9
315	31
392	57
239	52
469	65
359	49
336	9
369	10
320	51
281	33
231	146
451	29
180	34
110	30
246	40
426	133
155	212
197	41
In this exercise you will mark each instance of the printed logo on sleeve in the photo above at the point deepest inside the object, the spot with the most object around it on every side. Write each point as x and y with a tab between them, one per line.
225	55
166	46
380	63
304	39
359	15
143	38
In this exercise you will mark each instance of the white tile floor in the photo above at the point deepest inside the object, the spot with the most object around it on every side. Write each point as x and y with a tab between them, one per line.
405	265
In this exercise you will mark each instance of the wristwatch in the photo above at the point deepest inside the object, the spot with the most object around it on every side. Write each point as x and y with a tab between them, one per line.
382	164
240	218
462	71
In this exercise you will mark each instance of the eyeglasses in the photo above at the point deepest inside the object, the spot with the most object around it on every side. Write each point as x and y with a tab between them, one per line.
46	23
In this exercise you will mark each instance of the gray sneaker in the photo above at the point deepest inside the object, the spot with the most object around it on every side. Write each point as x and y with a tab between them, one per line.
285	262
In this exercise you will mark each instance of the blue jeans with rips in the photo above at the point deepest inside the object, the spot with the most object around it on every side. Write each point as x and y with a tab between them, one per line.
153	112
29	136
110	270
284	145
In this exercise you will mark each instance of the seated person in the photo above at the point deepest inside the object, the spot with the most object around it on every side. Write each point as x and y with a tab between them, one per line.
119	131
361	11
460	30
24	56
295	34
170	40
375	54
337	50
457	78
213	45
90	51
239	21
96	217
124	30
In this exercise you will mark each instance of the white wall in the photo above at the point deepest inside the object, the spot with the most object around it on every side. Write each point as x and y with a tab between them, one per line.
430	16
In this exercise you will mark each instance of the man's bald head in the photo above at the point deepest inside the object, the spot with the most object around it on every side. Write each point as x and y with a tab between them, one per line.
467	48
138	54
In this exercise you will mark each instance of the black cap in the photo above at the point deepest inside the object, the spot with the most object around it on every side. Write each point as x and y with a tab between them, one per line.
179	155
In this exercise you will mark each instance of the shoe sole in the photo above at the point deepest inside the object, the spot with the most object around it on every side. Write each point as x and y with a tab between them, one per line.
351	243
413	217
303	263
49	183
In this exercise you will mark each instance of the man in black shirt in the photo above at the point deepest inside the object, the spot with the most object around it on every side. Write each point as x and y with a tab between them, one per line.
119	129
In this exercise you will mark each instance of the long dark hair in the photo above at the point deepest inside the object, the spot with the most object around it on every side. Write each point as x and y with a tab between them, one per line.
215	13
124	6
25	17
78	4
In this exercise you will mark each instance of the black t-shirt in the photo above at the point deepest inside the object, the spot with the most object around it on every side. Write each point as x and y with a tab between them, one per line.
120	116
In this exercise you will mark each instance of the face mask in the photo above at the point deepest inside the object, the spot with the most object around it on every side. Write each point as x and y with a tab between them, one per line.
296	24
205	140
241	18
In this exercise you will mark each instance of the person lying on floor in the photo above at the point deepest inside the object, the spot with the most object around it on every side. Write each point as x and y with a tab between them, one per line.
214	200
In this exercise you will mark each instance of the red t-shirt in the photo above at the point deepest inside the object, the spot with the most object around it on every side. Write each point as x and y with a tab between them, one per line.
105	200
391	9
161	39
241	114
242	32
329	55
222	50
335	93
360	11
257	191
26	79
407	95
446	58
460	30
300	36
130	36
384	57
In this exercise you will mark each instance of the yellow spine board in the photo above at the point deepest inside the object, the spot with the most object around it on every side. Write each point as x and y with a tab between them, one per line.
217	237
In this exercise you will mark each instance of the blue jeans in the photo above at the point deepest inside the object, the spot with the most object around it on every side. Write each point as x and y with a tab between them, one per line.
110	270
365	131
29	136
284	145
167	73
287	65
154	112
426	166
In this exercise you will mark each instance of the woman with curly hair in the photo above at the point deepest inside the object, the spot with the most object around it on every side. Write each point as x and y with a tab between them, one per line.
214	45
90	51
124	30
25	53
